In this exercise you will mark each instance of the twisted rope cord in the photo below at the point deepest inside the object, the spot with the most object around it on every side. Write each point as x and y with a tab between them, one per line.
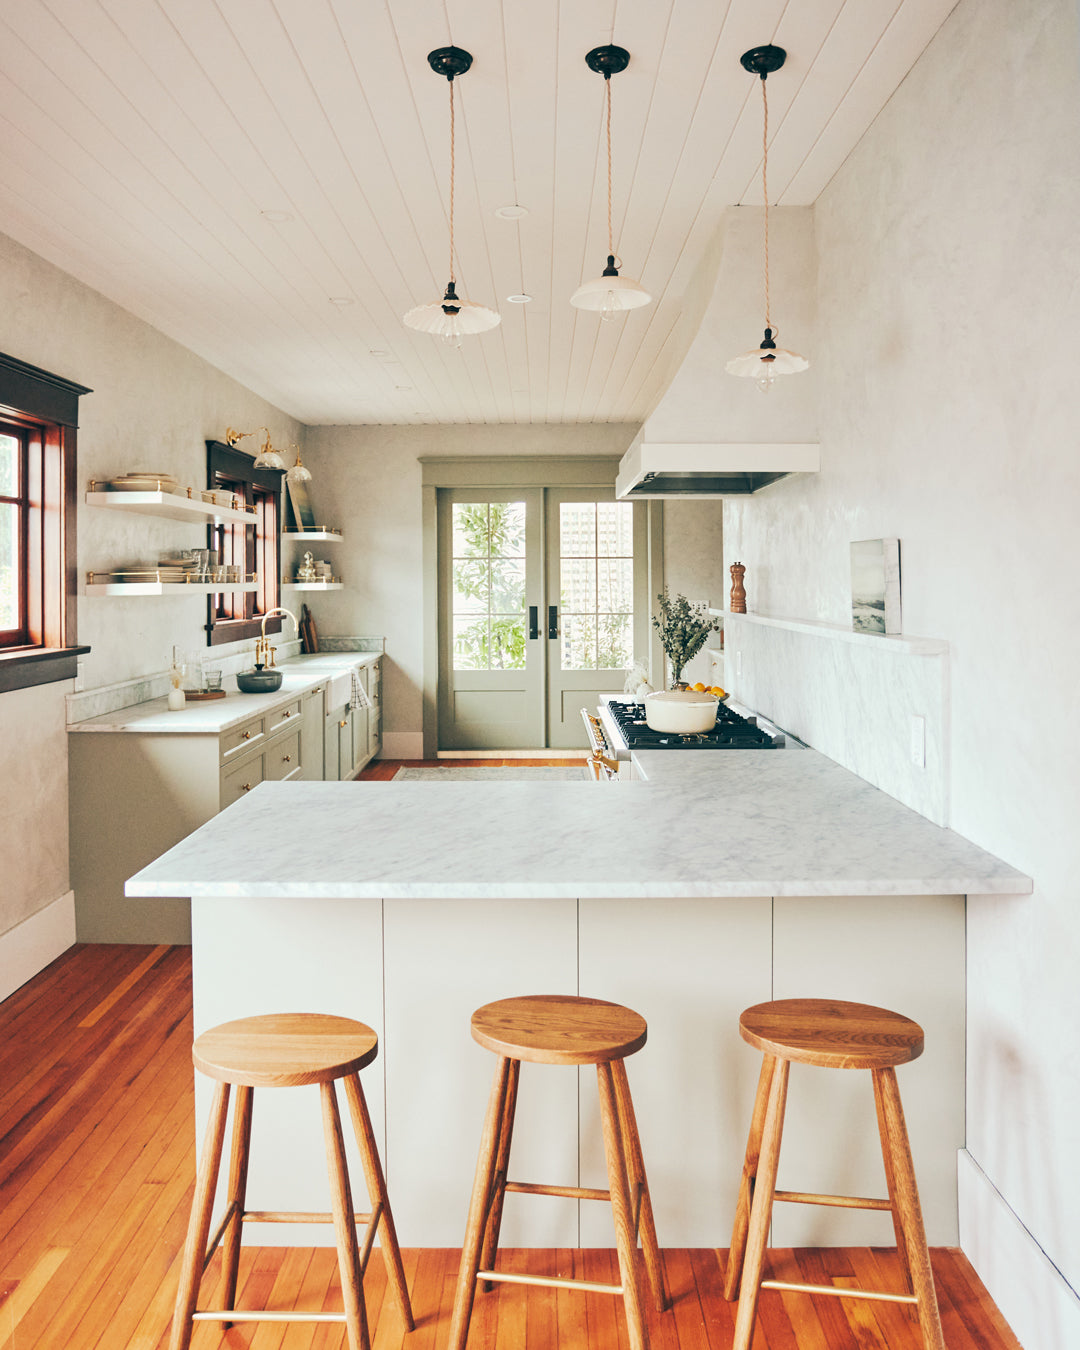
610	245
765	189
452	167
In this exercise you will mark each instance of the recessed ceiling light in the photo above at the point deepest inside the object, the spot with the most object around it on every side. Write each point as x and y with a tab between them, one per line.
511	212
342	301
521	299
276	217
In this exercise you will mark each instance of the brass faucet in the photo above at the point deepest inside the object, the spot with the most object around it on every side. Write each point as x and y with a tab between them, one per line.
264	651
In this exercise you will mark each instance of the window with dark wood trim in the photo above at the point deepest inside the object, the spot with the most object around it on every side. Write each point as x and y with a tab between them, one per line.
254	548
38	606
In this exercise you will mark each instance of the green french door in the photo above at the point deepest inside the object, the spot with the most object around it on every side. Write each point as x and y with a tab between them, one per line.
542	605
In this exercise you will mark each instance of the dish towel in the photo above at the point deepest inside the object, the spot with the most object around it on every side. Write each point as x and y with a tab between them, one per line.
360	697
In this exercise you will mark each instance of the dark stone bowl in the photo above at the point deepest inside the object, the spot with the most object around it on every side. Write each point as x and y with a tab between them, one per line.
258	681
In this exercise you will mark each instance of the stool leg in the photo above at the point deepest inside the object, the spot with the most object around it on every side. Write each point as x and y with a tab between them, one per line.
199	1225
376	1188
479	1208
907	1196
737	1251
639	1188
761	1209
344	1221
890	1181
502	1162
625	1237
238	1174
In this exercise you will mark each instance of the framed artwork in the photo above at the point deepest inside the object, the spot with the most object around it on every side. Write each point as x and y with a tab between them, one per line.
303	517
875	586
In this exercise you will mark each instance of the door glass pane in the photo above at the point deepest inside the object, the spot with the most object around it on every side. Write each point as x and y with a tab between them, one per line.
487	585
9	566
9	466
596	569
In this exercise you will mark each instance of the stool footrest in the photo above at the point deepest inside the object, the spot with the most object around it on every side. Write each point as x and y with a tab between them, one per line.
294	1216
838	1291
263	1315
549	1282
568	1192
840	1201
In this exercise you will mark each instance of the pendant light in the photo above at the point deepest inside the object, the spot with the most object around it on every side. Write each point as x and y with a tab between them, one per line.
768	361
610	293
451	318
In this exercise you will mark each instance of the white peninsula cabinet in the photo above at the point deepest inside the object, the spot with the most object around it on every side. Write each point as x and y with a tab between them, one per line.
144	778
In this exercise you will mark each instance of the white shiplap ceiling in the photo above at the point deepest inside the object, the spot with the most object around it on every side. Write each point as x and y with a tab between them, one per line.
151	147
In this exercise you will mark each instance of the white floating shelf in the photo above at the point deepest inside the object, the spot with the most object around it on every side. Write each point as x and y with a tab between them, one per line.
168	587
319	536
170	506
314	585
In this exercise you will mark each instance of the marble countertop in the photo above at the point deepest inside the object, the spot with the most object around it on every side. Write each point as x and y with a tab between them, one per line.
706	823
210	717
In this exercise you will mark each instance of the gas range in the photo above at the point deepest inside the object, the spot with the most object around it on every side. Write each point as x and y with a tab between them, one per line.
732	732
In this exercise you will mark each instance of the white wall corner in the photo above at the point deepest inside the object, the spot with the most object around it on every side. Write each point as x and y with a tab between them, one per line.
402	745
28	948
1036	1300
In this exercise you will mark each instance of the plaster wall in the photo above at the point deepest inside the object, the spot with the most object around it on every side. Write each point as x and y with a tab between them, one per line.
949	309
153	407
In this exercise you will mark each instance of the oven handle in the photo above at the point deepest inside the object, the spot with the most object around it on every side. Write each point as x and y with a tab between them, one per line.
553	621
534	621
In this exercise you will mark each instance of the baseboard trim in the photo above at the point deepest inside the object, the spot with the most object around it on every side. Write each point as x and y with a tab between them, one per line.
1036	1300
402	745
513	754
27	949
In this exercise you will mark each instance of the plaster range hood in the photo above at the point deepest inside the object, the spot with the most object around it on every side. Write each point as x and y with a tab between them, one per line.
683	469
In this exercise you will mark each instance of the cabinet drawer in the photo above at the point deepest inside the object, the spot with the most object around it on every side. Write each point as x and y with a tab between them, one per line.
241	738
237	781
281	719
282	757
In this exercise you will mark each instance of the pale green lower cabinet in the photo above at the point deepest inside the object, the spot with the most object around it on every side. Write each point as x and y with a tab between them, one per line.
133	795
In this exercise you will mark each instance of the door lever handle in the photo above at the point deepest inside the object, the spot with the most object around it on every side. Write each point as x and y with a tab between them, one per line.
534	621
553	621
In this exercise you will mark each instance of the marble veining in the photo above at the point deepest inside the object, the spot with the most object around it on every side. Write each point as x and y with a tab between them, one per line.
851	696
732	823
212	717
352	644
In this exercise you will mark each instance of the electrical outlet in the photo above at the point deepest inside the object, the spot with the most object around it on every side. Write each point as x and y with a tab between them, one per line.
918	741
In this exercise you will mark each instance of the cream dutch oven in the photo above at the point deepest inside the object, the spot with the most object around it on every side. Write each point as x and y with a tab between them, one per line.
681	712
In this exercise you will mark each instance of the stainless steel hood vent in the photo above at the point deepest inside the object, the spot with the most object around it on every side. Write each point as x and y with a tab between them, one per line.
709	470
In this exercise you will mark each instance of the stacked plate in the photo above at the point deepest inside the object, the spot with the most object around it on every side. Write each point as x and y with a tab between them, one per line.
144	482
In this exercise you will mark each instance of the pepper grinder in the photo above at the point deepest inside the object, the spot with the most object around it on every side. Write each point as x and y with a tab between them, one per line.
738	591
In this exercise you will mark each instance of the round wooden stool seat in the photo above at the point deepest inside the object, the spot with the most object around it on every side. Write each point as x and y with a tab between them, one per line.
285	1050
832	1035
559	1029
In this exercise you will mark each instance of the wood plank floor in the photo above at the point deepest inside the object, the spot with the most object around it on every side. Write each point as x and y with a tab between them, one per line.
97	1165
382	770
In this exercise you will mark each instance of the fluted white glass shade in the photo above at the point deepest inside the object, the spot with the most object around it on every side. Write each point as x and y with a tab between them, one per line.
269	459
452	321
299	473
778	361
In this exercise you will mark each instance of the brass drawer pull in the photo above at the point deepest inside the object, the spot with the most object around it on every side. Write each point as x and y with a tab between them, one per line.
247	735
287	713
287	758
245	787
344	723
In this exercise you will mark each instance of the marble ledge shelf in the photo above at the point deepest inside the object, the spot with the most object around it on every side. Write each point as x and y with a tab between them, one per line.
900	642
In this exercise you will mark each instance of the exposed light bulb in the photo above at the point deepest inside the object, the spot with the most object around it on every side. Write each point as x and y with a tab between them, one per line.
766	378
610	309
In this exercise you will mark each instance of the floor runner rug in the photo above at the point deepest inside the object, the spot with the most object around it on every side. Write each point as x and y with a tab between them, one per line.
524	774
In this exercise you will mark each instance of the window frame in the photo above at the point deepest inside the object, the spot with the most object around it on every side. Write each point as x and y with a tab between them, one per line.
233	616
44	409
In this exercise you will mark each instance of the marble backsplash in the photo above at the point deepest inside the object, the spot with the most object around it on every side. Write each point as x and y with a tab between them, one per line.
853	696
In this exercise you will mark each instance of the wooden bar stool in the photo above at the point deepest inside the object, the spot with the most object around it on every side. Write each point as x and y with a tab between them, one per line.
831	1036
561	1029
287	1050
